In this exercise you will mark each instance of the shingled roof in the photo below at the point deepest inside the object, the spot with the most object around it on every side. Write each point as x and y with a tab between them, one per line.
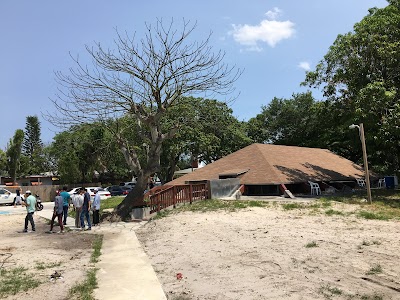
265	164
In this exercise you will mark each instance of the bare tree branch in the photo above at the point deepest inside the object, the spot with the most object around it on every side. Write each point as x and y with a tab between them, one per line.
141	78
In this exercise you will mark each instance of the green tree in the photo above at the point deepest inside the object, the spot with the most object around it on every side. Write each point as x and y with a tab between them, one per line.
14	153
359	75
141	80
208	132
3	163
32	147
76	154
288	122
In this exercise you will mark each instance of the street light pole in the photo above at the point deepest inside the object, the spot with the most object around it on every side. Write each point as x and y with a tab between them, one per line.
364	150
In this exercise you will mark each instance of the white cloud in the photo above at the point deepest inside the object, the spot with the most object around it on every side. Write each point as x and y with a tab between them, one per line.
269	31
305	65
273	14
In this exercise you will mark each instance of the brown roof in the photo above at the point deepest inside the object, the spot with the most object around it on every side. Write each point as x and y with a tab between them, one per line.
262	164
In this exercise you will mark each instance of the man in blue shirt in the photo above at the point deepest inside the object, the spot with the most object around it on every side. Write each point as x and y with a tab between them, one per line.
66	202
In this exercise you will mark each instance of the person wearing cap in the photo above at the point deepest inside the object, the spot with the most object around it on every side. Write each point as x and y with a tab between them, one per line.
30	204
96	208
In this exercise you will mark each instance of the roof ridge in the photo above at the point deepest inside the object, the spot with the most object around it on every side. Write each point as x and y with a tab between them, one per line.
274	170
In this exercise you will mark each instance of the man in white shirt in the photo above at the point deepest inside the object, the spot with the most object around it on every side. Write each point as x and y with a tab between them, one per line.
96	208
77	201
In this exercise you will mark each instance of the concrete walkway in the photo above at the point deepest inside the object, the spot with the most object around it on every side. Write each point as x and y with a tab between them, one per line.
125	271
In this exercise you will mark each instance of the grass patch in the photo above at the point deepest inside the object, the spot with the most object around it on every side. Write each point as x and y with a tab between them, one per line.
162	214
15	280
254	203
331	212
328	291
211	205
381	198
110	202
376	269
326	203
372	215
311	244
43	266
84	290
96	245
290	206
371	297
181	297
104	204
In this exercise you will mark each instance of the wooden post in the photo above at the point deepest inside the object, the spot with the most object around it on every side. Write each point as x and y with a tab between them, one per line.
190	193
174	195
364	149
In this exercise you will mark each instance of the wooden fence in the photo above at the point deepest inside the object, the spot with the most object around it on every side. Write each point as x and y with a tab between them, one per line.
176	194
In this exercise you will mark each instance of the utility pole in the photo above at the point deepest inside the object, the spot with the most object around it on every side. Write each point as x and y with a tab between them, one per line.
364	150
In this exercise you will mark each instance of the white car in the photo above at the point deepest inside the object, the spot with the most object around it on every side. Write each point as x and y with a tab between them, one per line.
103	193
6	197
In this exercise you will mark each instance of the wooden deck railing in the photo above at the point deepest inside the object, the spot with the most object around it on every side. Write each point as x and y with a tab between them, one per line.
173	195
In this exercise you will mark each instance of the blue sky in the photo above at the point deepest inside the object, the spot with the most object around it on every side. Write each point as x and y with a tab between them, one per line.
274	41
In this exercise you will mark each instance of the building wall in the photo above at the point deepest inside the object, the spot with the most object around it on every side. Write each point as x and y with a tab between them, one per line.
31	181
223	187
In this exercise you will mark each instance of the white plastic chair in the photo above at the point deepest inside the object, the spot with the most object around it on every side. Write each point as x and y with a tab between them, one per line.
315	189
361	182
381	183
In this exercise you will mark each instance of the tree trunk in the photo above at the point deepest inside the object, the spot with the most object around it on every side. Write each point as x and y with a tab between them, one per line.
171	169
132	200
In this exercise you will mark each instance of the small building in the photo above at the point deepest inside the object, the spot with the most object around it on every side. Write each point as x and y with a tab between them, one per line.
263	168
32	180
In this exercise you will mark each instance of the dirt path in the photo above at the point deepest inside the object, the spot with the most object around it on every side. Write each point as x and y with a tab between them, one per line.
42	254
269	253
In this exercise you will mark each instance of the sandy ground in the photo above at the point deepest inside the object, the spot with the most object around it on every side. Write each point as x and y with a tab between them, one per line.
68	254
262	253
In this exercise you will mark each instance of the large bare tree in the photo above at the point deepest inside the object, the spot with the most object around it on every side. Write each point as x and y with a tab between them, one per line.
140	79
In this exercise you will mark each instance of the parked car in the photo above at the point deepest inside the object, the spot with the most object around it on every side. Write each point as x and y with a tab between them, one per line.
103	194
130	184
126	190
7	197
116	190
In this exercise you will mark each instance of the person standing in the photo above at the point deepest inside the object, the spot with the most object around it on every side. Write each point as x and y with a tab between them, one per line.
96	208
17	199
57	213
66	202
30	204
85	210
77	201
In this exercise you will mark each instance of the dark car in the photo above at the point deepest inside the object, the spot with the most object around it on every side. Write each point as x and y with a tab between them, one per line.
116	190
126	190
